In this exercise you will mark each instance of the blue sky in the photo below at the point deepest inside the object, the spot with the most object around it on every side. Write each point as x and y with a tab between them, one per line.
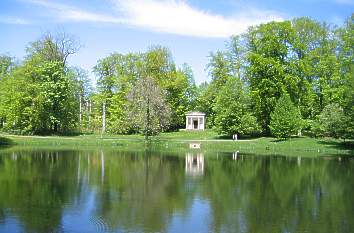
191	29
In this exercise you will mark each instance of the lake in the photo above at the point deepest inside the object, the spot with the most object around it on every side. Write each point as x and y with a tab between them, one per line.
103	190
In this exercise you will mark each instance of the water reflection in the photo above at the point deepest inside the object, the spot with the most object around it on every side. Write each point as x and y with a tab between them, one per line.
235	155
122	191
194	164
194	145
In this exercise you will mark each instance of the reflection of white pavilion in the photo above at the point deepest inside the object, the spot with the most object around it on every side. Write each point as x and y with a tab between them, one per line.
194	164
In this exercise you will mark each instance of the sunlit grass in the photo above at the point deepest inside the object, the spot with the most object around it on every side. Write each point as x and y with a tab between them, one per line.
179	141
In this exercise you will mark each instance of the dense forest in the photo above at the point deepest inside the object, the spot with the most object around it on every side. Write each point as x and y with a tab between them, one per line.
280	78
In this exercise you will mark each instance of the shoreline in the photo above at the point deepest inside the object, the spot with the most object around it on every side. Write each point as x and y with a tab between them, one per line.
302	146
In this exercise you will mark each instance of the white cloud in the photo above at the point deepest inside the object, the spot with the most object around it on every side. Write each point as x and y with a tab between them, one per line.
166	16
69	13
177	17
13	20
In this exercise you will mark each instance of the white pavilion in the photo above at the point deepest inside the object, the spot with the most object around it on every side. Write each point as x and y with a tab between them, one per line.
195	121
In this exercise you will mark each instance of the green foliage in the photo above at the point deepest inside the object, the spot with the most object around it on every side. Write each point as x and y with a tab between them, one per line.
330	122
40	95
149	112
285	119
118	73
7	65
309	60
349	111
232	110
55	106
346	58
220	70
268	72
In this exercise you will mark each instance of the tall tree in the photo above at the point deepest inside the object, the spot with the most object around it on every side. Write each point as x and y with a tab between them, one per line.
44	100
267	73
148	110
83	91
7	66
346	59
220	71
54	47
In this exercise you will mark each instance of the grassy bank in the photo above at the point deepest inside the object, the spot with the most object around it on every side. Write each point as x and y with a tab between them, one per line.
179	141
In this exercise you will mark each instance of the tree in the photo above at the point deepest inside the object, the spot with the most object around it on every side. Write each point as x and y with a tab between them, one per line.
285	119
267	73
83	91
232	110
307	42
148	110
330	122
220	70
7	65
177	83
346	59
118	73
191	90
54	106
41	94
55	47
349	107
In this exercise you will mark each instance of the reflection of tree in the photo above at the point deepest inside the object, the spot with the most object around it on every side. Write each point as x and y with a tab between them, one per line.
35	188
228	188
278	194
143	192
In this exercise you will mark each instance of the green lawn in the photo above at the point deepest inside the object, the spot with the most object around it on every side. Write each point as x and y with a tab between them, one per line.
179	141
189	135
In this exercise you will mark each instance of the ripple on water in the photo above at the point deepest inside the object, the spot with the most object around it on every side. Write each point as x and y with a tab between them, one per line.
99	224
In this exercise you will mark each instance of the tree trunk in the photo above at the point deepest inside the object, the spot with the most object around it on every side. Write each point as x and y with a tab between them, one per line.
80	112
56	127
104	117
89	114
147	128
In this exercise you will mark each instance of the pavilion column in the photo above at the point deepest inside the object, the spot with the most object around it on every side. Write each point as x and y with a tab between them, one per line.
187	122
198	124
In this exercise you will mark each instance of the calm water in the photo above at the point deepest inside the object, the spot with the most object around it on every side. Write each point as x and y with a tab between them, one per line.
112	191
